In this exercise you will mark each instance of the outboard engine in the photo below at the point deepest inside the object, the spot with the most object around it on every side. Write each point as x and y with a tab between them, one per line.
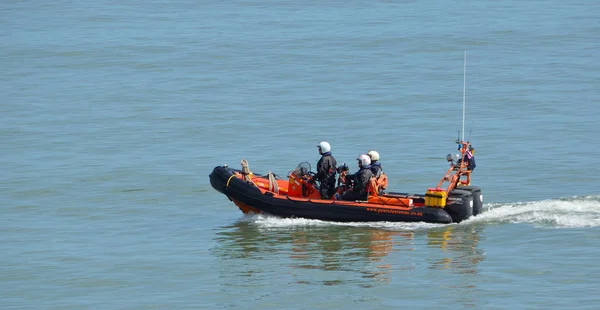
477	198
459	205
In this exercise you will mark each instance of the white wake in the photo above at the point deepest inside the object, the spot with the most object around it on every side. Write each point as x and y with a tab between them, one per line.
561	213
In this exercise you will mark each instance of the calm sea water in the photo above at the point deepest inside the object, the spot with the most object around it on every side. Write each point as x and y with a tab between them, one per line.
115	112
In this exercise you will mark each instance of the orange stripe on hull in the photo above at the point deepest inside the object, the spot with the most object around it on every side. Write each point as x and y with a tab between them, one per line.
245	208
379	203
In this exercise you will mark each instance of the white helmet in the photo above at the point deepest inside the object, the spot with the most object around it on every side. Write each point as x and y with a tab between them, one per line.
324	147
374	155
364	160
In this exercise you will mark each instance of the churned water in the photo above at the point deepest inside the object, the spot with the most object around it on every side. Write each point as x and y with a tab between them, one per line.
115	112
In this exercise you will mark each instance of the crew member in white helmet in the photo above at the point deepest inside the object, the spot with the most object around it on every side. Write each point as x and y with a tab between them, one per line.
361	180
375	164
326	171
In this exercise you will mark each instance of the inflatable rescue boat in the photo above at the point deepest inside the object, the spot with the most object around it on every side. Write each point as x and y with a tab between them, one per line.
297	197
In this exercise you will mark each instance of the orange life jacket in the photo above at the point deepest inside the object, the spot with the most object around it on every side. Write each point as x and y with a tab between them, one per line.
382	182
377	185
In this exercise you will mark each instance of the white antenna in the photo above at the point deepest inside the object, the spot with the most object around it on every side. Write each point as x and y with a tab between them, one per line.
464	97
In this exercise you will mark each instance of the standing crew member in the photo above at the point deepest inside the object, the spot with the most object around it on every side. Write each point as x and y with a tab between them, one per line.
326	171
470	158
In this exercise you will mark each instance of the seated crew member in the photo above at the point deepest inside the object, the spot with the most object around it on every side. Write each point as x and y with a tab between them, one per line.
375	164
326	171
361	179
377	169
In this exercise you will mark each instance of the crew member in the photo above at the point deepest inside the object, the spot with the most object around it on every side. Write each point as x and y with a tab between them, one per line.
326	171
375	164
469	158
378	174
361	179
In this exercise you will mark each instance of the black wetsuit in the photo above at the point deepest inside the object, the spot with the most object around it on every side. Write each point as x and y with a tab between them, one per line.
326	170
376	169
361	180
